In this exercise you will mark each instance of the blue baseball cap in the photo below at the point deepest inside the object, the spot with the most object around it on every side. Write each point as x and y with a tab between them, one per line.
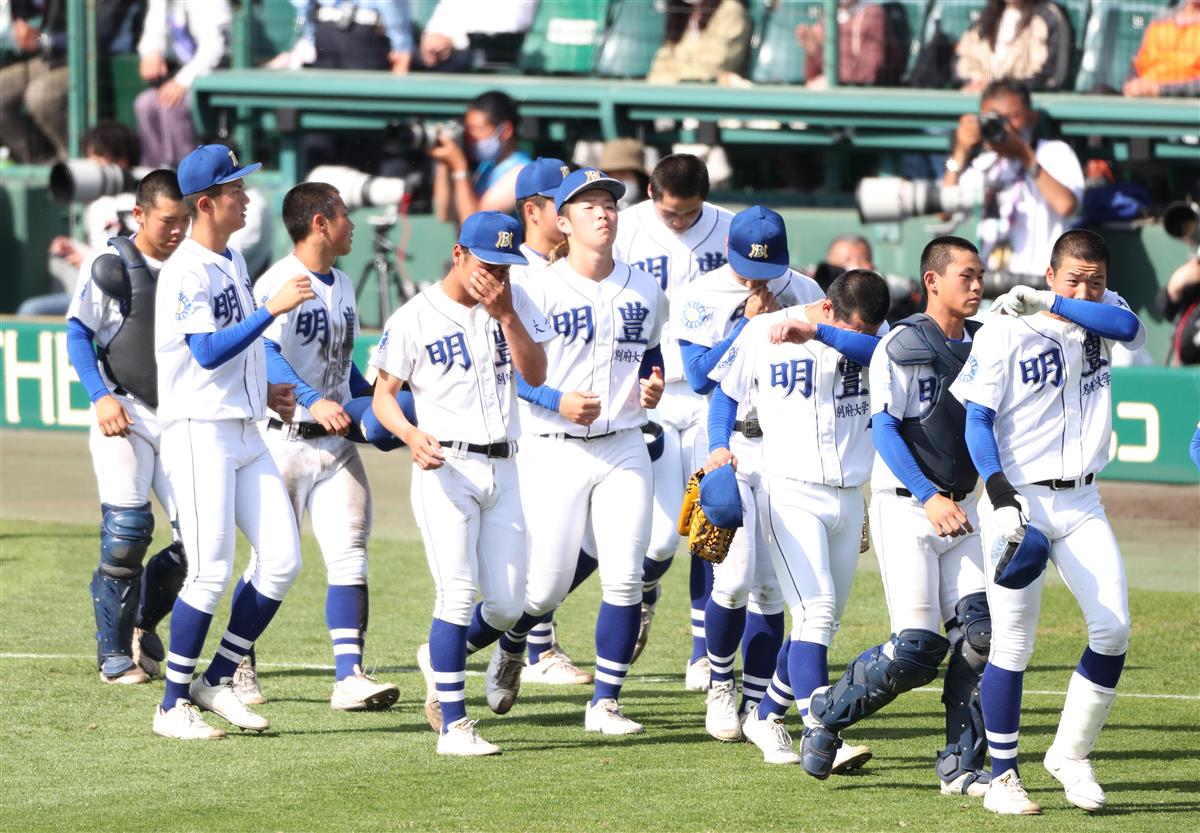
655	439
758	248
1019	565
720	499
585	179
210	165
493	237
366	427
541	176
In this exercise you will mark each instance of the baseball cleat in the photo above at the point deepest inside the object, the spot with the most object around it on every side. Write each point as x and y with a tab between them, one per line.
698	675
122	671
849	758
973	784
1077	778
148	651
503	680
1006	796
461	739
818	748
361	693
555	668
245	684
433	708
720	716
771	737
605	716
643	636
222	700
184	721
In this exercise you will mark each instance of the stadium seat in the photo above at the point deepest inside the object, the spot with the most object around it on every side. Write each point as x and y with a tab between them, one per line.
954	16
779	58
635	35
565	37
1114	33
1078	12
273	29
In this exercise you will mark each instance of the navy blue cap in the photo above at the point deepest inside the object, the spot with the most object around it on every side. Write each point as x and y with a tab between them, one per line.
655	438
585	179
210	165
366	427
1019	565
541	176
493	237
720	499
758	248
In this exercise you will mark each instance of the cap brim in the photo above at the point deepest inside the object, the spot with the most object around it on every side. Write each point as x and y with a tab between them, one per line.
493	258
755	270
605	183
241	172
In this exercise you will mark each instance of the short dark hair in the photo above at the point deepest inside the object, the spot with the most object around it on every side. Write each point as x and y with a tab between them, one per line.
939	252
191	200
1080	244
537	200
499	107
860	291
161	182
305	201
112	139
680	175
1007	86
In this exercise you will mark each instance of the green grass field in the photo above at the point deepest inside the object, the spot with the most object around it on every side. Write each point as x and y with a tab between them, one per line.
77	755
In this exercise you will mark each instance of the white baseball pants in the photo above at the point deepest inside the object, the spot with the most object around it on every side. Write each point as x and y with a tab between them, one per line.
681	413
127	468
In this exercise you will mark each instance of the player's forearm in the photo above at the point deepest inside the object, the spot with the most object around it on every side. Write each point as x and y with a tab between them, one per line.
722	413
529	358
898	456
388	411
981	443
541	395
651	359
1105	320
699	361
82	353
858	347
1059	197
279	371
359	386
211	350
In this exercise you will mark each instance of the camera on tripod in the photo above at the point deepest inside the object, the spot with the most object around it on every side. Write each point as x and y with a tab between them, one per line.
82	180
423	136
891	199
359	189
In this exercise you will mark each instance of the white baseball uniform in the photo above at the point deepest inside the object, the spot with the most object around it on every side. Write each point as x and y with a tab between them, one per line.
219	467
456	360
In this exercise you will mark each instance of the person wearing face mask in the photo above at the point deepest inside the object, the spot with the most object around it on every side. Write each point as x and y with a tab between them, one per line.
1031	186
482	176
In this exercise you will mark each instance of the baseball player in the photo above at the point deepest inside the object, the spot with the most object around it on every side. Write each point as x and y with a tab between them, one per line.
458	344
607	318
676	236
114	309
1039	422
707	316
212	385
804	368
924	516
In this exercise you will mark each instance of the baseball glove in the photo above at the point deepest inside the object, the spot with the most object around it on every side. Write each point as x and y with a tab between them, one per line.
704	540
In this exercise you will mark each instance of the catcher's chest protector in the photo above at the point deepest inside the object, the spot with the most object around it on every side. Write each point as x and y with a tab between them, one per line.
129	357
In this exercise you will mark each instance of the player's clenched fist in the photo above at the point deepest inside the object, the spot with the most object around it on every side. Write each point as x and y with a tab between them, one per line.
793	331
331	415
1011	518
652	388
947	517
492	291
281	398
111	416
291	295
719	457
582	407
426	451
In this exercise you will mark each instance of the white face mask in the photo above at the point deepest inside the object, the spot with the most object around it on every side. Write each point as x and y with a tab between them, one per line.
487	148
632	187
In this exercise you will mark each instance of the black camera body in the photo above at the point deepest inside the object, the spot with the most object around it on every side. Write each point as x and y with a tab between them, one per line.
993	127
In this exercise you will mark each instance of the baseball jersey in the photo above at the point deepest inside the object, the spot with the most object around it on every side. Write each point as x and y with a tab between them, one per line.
601	330
675	260
317	337
1049	382
200	291
457	361
813	404
518	274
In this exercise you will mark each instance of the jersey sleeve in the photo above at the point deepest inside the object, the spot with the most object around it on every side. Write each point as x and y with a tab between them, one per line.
264	290
1060	161
193	307
395	354
691	318
890	383
984	378
531	316
88	303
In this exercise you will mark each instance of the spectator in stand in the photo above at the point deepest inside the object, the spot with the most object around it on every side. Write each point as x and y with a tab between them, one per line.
445	41
625	159
351	34
706	40
1168	62
851	251
1020	40
868	53
33	89
181	41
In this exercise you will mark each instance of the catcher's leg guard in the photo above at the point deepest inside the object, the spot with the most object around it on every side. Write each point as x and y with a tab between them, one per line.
880	675
125	534
165	572
965	741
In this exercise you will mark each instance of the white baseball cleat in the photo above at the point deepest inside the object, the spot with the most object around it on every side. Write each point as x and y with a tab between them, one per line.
604	716
184	721
503	680
461	739
647	617
222	700
1078	780
849	757
770	736
698	675
973	784
555	668
1006	796
720	716
361	693
245	684
433	707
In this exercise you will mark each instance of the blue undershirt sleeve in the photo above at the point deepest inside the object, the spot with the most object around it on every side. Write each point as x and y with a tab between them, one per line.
698	361
359	386
1105	320
885	429
543	396
858	347
981	440
279	371
82	352
1195	449
722	412
214	349
651	359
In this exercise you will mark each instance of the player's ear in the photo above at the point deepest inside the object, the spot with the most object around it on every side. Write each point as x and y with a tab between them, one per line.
930	281
139	216
1050	277
563	224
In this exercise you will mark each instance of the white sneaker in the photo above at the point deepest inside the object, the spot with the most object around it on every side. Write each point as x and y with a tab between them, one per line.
503	680
222	700
461	739
698	675
184	721
433	707
849	757
1077	778
555	668
245	684
605	717
644	627
973	784
720	716
360	693
1007	797
770	736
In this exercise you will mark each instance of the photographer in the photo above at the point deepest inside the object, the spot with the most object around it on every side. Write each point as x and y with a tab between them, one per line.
1031	187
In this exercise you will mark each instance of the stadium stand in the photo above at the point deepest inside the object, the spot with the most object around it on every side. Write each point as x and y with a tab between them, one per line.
635	34
565	37
1114	34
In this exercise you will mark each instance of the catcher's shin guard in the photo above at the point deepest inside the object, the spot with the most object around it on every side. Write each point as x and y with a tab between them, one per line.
125	534
966	744
161	583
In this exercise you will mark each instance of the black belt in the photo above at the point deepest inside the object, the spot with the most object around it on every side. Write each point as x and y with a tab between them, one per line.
749	428
1061	485
573	437
501	450
304	430
957	497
